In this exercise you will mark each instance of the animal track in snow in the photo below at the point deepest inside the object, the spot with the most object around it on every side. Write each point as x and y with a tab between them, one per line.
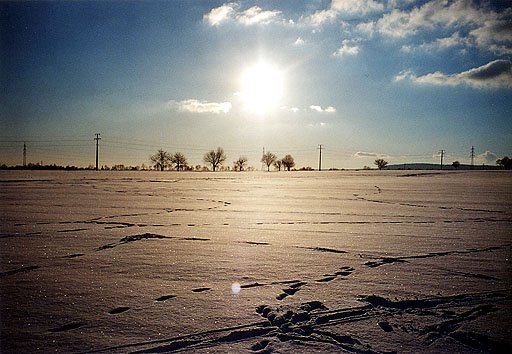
67	327
201	290
165	297
19	270
119	309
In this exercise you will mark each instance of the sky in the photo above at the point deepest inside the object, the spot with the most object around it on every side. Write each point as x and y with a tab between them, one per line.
394	79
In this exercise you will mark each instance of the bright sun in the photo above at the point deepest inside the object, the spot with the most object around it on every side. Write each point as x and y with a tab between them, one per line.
261	88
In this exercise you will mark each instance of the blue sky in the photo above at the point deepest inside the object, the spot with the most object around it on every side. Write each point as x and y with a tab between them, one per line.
397	79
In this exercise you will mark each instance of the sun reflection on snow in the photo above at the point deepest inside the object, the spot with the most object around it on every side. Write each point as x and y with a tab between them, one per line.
235	288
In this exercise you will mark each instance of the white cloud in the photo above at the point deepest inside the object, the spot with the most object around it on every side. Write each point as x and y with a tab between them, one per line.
319	109
495	34
251	16
347	48
431	15
196	106
366	27
487	157
398	3
343	8
321	17
363	154
455	40
317	125
220	14
482	27
496	74
299	41
255	15
356	6
290	109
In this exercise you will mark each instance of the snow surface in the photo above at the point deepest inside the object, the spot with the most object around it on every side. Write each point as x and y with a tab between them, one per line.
359	262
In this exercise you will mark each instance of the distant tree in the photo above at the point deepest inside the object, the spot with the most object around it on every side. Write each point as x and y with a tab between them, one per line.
456	164
278	164
179	160
215	158
505	163
288	162
240	163
380	163
161	160
268	159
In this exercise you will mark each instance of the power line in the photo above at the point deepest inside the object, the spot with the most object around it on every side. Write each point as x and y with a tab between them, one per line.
41	141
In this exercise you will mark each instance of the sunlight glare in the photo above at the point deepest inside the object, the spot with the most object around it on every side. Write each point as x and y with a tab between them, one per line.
235	288
261	88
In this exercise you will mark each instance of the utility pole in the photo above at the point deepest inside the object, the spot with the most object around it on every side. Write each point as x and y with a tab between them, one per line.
262	163
24	154
442	155
97	138
320	146
472	157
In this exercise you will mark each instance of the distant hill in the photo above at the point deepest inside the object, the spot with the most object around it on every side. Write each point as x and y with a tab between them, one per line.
432	166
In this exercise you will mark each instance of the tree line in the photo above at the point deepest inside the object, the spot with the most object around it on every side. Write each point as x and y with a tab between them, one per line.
163	160
216	158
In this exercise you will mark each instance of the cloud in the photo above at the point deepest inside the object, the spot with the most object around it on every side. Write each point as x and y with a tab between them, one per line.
319	109
362	154
495	34
220	14
251	16
455	40
317	125
481	26
196	106
321	17
290	109
486	157
299	41
431	15
347	48
343	8
255	15
362	7
366	27
496	74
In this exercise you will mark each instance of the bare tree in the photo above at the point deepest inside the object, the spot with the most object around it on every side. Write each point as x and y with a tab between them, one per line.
240	164
179	160
288	162
456	164
268	159
380	163
161	159
278	164
505	163
215	157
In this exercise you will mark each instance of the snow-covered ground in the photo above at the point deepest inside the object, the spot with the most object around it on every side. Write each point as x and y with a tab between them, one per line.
360	262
